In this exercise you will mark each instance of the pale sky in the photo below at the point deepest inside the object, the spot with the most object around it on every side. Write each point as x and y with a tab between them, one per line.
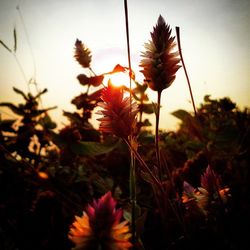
214	36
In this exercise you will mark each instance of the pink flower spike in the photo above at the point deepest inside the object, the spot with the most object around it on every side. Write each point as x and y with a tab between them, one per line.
118	113
210	180
100	227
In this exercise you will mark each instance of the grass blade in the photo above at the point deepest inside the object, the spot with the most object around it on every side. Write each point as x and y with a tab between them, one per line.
5	46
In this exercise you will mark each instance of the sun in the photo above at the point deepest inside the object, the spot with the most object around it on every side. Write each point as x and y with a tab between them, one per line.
118	79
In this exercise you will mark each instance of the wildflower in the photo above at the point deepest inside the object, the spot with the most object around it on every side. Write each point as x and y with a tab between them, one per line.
119	113
193	198
210	180
160	63
100	227
82	54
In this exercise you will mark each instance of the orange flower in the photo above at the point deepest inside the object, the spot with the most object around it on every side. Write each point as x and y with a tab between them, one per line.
160	63
119	113
100	227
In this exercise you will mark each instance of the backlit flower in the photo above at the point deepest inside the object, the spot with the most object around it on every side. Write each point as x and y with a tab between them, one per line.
160	62
82	54
118	114
100	227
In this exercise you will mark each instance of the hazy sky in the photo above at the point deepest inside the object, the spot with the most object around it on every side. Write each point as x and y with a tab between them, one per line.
214	35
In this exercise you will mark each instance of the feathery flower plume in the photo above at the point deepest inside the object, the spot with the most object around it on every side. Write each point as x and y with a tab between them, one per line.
160	62
100	227
82	54
119	112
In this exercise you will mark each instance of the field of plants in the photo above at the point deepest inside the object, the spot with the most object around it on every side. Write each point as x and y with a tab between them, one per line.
128	184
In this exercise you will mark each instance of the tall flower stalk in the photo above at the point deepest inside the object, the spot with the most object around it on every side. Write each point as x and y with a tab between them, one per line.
132	176
160	63
119	117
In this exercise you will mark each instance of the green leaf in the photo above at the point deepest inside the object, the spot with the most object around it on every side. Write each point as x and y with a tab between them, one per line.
89	148
181	114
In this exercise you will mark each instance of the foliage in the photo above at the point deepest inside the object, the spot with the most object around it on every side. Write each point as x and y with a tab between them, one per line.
193	195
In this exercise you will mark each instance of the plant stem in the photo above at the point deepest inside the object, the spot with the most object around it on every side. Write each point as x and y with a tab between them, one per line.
132	167
143	164
157	131
184	67
132	183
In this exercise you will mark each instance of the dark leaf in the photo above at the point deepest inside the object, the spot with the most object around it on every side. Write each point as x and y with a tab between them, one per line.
89	148
80	101
147	108
13	108
146	123
74	117
181	114
18	91
41	93
47	123
57	139
93	80
35	113
95	95
140	88
6	125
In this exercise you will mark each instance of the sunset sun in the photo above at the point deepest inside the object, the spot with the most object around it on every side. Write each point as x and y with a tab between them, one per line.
118	79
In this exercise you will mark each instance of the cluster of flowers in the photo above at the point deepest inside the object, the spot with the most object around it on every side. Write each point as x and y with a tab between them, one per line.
209	192
101	225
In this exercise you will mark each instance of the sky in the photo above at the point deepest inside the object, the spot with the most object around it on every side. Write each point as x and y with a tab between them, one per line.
215	41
